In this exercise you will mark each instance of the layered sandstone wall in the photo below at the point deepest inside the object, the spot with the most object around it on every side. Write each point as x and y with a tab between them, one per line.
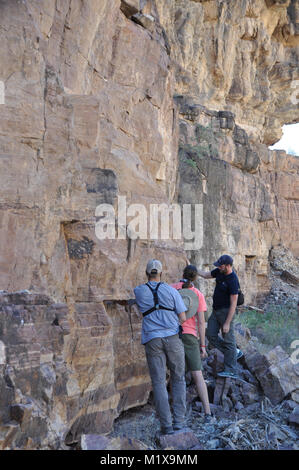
239	56
249	195
236	66
160	102
88	116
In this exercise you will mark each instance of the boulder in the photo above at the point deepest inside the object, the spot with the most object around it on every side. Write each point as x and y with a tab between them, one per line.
290	404
275	371
294	416
239	406
180	440
250	393
99	442
290	278
295	396
216	360
221	389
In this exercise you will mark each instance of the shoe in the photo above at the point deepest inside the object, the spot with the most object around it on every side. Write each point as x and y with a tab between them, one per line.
239	354
167	431
179	426
179	430
230	375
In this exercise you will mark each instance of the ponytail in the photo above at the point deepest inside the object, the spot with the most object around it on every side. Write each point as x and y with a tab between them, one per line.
190	274
187	284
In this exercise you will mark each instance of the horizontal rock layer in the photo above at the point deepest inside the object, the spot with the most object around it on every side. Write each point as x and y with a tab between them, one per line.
155	101
65	372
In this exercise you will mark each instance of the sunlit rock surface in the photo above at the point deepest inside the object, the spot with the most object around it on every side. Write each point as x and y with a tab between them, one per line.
159	102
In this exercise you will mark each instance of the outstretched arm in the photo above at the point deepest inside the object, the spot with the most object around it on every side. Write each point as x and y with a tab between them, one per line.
205	274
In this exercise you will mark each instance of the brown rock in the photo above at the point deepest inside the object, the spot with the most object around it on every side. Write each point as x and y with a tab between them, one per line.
282	259
89	116
289	278
216	360
221	388
250	393
239	406
294	416
21	413
79	397
295	396
275	371
8	432
98	442
188	27
184	440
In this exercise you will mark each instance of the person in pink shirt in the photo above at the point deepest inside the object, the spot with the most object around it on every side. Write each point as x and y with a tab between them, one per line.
193	337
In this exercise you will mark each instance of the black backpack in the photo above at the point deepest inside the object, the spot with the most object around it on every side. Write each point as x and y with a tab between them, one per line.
241	298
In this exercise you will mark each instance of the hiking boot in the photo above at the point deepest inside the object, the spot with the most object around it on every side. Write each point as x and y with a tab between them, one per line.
225	374
168	430
182	430
239	354
179	426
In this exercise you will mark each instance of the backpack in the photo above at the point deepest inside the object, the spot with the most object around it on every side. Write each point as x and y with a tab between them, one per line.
241	298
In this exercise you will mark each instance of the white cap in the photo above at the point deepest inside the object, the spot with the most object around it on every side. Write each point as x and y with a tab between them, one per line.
154	265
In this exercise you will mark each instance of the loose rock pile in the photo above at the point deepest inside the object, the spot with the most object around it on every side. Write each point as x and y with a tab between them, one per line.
284	276
259	411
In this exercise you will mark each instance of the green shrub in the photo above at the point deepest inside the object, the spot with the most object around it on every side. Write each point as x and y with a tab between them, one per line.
279	325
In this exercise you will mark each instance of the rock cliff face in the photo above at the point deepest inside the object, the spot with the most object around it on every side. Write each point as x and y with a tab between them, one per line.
249	194
238	56
160	102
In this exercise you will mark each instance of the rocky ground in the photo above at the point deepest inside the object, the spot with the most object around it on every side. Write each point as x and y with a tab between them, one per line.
259	425
259	412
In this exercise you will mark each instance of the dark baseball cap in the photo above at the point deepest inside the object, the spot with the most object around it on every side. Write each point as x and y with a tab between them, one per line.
224	259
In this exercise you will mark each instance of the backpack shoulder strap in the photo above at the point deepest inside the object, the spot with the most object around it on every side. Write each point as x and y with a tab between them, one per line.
157	306
155	293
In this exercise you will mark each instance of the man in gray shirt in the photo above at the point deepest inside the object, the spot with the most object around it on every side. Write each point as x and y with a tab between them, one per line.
163	310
